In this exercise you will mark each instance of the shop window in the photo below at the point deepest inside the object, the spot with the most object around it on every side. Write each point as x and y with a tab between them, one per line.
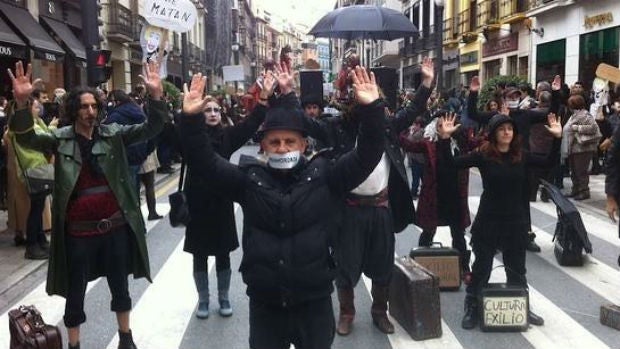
551	60
595	48
492	68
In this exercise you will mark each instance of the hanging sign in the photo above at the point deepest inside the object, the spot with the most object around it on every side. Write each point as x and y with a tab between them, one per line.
175	15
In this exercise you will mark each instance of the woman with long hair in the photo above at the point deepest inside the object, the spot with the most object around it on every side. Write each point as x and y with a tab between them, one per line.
502	221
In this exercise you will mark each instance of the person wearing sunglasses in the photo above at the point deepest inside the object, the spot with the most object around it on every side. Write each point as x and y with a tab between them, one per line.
212	230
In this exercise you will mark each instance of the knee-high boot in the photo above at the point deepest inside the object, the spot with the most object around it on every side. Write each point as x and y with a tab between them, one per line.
347	311
223	285
201	278
379	308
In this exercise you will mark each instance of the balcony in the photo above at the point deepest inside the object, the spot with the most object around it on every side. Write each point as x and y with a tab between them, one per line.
467	21
511	11
450	30
120	25
138	23
536	7
488	12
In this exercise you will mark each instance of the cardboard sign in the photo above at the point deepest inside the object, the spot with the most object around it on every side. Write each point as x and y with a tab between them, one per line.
608	72
504	311
233	73
175	15
447	268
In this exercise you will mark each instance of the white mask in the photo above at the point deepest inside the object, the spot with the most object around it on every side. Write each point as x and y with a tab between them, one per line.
512	104
284	161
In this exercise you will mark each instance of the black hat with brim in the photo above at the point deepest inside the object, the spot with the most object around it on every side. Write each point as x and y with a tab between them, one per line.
281	118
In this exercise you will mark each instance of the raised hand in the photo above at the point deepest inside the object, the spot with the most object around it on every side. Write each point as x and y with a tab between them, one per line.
557	83
152	80
428	71
474	85
504	109
285	78
364	86
269	84
555	125
22	86
193	100
446	126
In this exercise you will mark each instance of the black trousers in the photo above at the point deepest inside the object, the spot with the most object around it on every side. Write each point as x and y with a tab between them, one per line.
34	224
365	245
309	325
222	262
458	238
514	265
107	254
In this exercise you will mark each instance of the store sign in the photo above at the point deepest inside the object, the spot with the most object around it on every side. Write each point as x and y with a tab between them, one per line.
598	20
501	45
469	58
51	57
12	51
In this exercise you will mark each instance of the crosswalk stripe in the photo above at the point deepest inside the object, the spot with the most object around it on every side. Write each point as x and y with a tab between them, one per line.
603	229
400	339
159	324
560	330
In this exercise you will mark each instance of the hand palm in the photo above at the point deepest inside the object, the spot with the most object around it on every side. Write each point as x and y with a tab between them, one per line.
366	93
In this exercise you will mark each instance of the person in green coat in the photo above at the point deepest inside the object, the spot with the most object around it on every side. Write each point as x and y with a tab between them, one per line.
98	228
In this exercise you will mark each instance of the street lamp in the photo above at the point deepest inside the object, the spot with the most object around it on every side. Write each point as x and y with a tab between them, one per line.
439	6
235	49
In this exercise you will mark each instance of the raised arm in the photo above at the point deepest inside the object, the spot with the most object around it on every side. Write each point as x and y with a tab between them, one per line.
445	128
351	169
537	117
156	114
201	159
472	104
21	123
405	117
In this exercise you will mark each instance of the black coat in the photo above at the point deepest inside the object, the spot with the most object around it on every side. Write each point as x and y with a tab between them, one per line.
612	168
288	228
341	133
212	230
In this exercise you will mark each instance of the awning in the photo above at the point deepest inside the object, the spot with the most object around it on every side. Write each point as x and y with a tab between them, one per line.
10	44
62	31
31	32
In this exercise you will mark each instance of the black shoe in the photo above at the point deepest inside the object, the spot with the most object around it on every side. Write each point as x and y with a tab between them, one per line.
44	244
544	197
125	340
532	246
584	195
534	319
77	346
154	217
19	240
35	252
470	319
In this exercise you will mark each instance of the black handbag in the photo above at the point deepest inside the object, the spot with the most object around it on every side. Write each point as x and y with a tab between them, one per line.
179	210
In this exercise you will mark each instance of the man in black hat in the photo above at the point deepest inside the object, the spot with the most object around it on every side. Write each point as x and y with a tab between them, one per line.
288	207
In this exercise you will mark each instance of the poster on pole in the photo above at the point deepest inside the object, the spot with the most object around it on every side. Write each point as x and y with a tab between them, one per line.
233	73
176	15
155	47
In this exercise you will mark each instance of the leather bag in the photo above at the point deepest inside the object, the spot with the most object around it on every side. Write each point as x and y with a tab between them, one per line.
29	331
179	209
40	179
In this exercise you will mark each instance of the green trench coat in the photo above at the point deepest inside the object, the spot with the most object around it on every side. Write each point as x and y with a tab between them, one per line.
110	151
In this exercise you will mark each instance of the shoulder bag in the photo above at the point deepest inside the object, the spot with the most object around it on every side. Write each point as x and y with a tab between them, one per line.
179	210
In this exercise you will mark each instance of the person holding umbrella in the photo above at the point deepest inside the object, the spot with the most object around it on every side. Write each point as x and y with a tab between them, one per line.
502	221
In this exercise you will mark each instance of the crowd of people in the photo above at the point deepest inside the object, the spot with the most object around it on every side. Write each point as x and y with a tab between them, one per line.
322	200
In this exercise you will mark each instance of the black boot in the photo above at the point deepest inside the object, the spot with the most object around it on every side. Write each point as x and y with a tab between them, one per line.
532	246
470	319
125	340
77	346
534	319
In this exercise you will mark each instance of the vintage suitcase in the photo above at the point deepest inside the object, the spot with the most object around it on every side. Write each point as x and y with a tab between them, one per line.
610	316
445	262
29	331
414	299
503	308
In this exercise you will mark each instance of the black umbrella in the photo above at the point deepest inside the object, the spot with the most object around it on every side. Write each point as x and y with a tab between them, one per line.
364	22
568	212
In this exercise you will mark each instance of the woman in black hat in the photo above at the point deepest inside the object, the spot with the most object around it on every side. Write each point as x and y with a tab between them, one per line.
502	221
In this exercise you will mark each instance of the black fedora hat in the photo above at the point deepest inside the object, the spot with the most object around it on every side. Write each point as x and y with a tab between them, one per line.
281	118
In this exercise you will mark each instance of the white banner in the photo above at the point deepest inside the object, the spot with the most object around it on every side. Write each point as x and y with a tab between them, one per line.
233	73
175	15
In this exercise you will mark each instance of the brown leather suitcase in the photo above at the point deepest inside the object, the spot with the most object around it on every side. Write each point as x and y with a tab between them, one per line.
414	299
610	316
29	331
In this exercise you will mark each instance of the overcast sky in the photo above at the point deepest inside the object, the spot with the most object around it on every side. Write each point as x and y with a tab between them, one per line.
299	11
